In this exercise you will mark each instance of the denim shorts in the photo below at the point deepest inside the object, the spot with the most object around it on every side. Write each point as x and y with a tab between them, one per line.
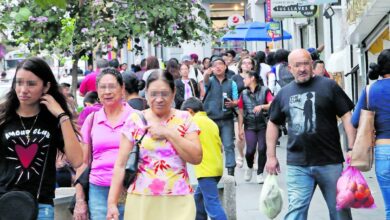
46	211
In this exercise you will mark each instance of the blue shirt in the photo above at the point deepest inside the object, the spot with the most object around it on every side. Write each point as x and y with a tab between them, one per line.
379	100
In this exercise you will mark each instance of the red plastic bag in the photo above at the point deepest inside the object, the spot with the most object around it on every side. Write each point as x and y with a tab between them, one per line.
353	191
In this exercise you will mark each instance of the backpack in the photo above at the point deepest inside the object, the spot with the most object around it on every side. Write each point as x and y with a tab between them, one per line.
283	75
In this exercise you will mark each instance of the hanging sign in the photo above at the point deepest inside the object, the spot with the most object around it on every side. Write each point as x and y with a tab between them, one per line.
273	29
234	20
292	9
268	11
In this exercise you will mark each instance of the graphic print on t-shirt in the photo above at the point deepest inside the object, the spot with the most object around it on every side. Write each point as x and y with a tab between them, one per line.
31	155
302	112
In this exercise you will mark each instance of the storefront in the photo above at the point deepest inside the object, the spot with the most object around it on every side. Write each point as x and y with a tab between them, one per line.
368	35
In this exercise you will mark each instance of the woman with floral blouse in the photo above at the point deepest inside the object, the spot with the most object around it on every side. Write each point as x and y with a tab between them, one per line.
162	184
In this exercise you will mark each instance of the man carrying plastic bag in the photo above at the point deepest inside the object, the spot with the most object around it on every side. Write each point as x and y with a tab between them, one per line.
271	201
310	105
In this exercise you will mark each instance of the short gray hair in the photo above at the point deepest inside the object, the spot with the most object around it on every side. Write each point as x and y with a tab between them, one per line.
101	63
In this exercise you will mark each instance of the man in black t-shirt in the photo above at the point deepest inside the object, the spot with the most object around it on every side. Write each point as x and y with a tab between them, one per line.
310	105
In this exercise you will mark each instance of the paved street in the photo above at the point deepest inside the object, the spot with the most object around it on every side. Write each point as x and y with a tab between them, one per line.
248	196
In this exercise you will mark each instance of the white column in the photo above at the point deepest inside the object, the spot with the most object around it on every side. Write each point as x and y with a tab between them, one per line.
257	13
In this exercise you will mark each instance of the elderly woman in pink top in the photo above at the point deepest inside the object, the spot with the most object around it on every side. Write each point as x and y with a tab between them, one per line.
161	189
101	134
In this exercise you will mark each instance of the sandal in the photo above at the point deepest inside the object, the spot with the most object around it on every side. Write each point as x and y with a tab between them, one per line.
239	162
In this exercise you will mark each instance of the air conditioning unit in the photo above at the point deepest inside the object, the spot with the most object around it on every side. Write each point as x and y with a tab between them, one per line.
301	21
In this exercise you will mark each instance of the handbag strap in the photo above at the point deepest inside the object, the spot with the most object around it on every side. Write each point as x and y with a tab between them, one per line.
141	115
90	137
43	172
367	97
192	87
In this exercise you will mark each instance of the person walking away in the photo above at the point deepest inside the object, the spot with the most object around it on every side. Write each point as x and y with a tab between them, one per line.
36	123
262	68
89	82
219	103
252	123
161	189
314	156
379	102
282	76
210	170
101	135
132	88
194	73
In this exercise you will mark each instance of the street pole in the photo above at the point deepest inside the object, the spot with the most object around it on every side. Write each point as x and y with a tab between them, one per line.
281	27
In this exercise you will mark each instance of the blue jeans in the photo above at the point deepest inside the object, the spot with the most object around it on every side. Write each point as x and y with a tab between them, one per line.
301	183
207	200
382	170
46	211
97	202
226	132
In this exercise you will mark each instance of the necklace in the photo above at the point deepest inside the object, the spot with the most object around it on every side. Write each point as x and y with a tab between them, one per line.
29	131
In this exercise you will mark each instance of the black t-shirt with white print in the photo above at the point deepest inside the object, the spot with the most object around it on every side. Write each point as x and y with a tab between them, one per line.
310	110
22	161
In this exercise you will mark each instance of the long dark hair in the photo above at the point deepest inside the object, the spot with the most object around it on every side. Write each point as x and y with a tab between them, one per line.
257	77
42	70
132	83
383	66
244	58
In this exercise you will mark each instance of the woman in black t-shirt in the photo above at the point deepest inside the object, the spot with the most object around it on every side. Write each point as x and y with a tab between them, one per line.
35	122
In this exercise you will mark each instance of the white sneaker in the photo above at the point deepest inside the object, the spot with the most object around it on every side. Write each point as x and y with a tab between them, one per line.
248	174
260	178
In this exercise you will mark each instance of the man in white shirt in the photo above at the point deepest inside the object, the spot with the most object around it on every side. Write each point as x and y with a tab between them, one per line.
228	57
195	74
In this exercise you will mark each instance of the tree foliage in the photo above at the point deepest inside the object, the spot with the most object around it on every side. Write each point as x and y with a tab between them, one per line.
76	28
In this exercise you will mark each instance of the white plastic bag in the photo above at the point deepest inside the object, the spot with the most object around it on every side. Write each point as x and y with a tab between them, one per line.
271	201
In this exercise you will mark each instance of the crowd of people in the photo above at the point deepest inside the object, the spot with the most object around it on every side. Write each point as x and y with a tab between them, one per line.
192	111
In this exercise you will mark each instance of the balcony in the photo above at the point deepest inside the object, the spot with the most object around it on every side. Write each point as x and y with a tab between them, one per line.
363	16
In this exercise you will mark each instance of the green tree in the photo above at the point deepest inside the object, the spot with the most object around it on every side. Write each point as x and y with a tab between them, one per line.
76	26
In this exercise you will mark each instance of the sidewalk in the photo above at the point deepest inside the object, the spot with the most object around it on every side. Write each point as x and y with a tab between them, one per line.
248	196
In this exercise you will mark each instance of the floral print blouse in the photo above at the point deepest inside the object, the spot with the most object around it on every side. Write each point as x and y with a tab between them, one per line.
161	171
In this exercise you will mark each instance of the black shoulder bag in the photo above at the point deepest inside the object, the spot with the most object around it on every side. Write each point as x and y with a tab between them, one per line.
131	168
21	204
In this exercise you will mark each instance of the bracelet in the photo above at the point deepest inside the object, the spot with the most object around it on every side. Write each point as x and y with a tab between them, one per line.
63	119
349	149
61	115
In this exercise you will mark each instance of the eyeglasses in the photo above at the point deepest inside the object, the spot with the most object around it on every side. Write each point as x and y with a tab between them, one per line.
299	64
162	94
109	86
